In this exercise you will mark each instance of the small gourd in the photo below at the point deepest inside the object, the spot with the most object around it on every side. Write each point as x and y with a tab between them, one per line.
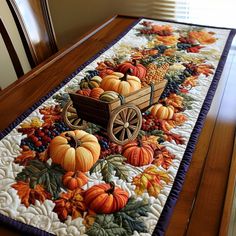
108	96
94	82
96	92
162	112
73	180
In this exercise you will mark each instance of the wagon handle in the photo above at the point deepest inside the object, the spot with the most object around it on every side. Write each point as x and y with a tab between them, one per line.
152	93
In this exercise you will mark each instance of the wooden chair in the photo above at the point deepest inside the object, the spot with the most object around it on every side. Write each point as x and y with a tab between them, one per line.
11	50
33	21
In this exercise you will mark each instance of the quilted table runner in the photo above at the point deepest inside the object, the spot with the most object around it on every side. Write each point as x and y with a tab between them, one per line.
65	176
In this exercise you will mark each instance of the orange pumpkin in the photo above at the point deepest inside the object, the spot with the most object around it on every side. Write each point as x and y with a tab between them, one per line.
85	92
162	112
105	72
73	180
121	83
75	150
138	153
134	68
96	92
105	198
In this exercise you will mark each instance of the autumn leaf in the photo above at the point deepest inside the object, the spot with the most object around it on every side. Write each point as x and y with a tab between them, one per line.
34	123
112	165
104	226
43	156
167	40
162	157
38	172
70	203
202	37
174	137
89	218
179	119
151	181
152	140
174	100
205	69
194	49
190	81
51	114
129	217
29	195
26	155
187	102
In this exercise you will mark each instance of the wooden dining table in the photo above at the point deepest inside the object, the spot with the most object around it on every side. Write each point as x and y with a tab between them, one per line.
204	204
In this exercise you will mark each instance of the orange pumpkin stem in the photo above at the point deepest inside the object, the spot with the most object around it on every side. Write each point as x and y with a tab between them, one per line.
76	174
72	140
134	62
125	77
139	141
111	190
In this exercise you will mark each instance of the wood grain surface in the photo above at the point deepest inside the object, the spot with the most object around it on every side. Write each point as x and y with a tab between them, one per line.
200	206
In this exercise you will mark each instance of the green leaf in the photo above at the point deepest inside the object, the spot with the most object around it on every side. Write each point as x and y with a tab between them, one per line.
104	226
97	167
41	173
129	217
62	98
121	170
112	165
92	128
107	171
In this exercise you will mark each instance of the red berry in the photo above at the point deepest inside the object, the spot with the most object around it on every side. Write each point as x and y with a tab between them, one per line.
41	133
34	138
38	143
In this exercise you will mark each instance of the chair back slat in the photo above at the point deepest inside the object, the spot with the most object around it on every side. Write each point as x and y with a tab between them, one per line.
34	24
11	50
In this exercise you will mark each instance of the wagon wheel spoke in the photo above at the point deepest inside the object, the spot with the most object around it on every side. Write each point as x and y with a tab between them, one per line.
78	122
132	127
123	115
119	122
122	135
117	129
129	112
71	118
132	115
134	121
129	134
71	109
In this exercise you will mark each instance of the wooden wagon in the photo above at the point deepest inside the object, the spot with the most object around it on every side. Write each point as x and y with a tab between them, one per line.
121	117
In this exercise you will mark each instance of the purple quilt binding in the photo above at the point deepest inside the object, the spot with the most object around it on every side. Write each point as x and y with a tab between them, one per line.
179	180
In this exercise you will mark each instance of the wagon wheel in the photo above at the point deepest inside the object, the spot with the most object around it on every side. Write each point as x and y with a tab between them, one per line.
71	118
124	124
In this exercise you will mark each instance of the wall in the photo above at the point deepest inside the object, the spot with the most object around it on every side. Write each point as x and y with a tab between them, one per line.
7	75
72	18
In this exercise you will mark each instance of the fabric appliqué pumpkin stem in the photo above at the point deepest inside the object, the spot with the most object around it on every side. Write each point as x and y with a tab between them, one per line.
73	141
